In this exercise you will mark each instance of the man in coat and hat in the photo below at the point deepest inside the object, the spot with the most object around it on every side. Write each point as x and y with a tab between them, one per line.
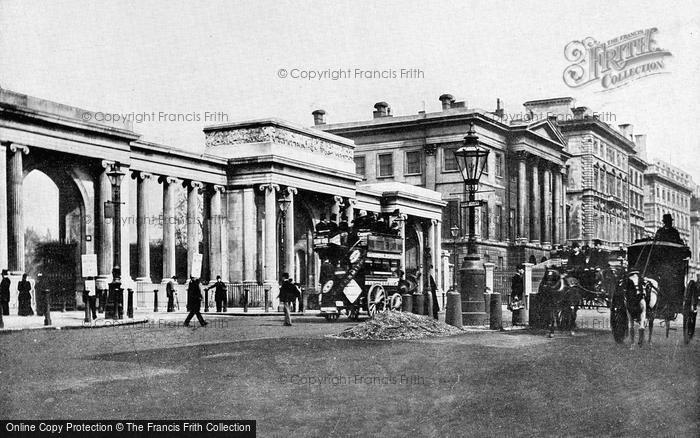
5	293
668	232
288	294
194	302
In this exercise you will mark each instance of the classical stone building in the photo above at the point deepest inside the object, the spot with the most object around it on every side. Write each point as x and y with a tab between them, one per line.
605	188
234	221
524	183
694	241
668	190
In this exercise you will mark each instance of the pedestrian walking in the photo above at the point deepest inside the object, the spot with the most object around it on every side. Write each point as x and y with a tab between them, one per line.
5	293
219	294
288	294
24	298
433	293
170	291
194	302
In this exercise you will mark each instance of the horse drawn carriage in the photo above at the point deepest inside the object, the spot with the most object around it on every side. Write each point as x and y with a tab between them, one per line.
360	272
654	286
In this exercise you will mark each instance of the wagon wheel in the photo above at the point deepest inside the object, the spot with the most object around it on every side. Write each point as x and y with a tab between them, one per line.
618	323
690	311
376	300
395	302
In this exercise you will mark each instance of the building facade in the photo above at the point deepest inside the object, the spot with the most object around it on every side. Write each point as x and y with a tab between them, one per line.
523	185
234	191
694	242
605	185
668	190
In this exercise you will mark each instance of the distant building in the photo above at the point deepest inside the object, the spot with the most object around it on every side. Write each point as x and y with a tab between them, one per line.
668	189
524	182
694	241
605	174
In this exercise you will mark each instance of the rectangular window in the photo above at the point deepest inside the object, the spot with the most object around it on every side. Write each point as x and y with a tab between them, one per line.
486	165
499	165
413	164
485	221
450	217
449	161
360	166
499	222
511	225
386	165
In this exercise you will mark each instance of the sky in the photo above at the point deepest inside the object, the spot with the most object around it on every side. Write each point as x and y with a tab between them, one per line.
223	58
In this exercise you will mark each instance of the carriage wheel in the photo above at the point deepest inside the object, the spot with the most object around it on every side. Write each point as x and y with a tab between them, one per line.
376	300
690	312
618	323
395	302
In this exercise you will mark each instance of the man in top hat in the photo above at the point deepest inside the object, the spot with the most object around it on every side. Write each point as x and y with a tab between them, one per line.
668	232
170	291
576	259
598	257
5	293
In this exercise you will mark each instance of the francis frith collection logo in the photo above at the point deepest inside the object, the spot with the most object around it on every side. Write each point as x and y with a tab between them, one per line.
616	62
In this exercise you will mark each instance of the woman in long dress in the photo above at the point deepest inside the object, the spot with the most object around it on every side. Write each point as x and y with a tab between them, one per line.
25	297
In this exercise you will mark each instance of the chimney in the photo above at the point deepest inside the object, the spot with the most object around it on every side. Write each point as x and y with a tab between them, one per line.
640	140
580	112
319	117
382	110
626	131
447	101
499	109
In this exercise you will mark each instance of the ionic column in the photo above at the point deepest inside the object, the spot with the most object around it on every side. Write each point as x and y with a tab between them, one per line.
535	217
169	193
438	256
15	219
193	188
547	238
350	210
216	235
434	249
3	206
142	214
335	208
522	197
250	243
289	233
105	226
270	256
556	212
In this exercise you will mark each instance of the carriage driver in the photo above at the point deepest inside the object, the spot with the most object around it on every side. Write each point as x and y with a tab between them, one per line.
668	232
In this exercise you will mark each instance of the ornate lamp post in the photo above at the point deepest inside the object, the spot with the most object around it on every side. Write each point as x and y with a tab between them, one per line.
471	159
116	176
453	309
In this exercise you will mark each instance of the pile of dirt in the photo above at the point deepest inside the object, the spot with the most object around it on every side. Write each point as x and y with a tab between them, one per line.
399	325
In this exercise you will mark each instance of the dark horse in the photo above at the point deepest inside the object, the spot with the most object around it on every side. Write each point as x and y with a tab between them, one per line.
634	303
596	285
559	297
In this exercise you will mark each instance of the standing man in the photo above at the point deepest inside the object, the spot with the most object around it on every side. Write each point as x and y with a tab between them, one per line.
288	294
5	293
91	292
194	302
170	292
219	293
433	293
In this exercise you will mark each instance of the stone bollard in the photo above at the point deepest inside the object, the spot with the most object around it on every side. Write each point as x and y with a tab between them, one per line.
267	301
88	314
429	305
487	305
407	303
453	309
527	290
206	299
245	300
130	303
496	315
418	303
155	300
47	309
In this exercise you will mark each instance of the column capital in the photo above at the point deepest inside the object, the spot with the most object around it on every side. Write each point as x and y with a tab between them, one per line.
429	148
338	200
140	175
168	180
351	202
189	184
521	155
218	188
106	164
15	147
290	191
434	222
269	186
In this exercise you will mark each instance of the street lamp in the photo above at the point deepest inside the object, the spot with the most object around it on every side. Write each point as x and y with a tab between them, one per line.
471	160
116	176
